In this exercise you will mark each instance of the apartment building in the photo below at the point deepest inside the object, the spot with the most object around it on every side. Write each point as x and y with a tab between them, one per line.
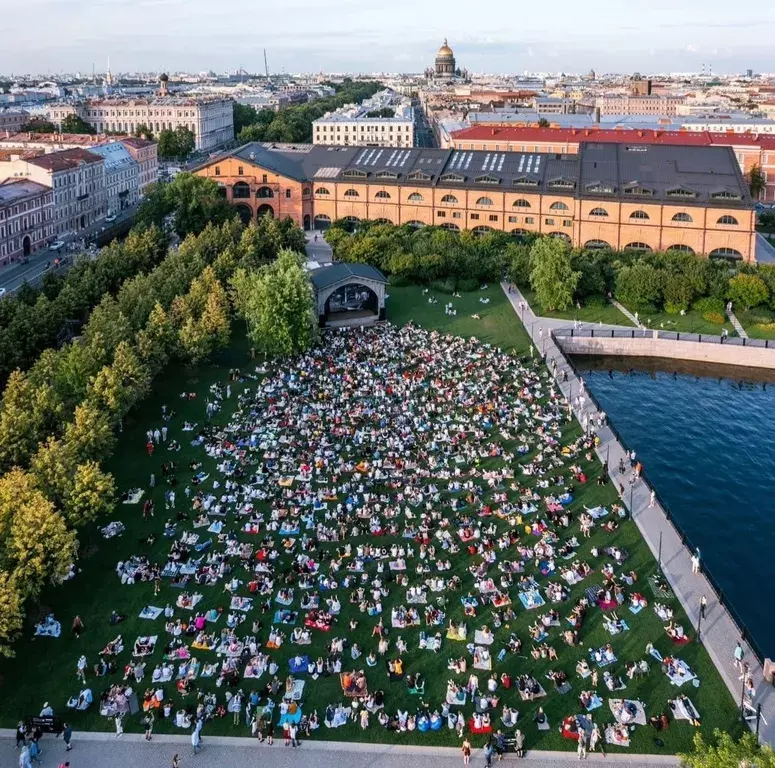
122	176
26	218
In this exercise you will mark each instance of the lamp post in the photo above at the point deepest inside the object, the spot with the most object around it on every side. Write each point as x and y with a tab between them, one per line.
699	620
607	453
659	556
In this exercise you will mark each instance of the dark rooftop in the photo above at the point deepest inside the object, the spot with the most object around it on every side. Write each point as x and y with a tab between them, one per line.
325	276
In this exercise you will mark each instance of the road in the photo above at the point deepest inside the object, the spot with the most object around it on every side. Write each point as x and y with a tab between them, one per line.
318	249
765	252
13	276
131	751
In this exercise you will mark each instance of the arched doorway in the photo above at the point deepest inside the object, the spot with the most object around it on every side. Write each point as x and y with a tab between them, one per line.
307	222
351	223
264	192
265	210
244	213
26	246
241	191
354	300
322	221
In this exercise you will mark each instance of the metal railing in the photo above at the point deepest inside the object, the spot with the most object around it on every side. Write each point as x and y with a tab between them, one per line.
745	633
637	333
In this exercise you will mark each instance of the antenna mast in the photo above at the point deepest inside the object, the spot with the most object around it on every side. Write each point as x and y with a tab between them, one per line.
266	66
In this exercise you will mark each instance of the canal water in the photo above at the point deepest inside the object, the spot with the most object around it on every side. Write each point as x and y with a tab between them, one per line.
706	437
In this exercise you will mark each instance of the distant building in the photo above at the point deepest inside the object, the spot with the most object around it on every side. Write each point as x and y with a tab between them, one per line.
26	218
553	106
122	176
145	154
445	69
639	105
640	86
76	178
11	120
352	126
210	118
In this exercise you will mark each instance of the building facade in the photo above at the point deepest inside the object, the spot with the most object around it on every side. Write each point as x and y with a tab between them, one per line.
145	154
750	149
77	180
122	177
605	195
12	120
639	105
26	218
353	127
211	119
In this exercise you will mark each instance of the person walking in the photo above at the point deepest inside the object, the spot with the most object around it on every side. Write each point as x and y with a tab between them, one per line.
739	653
24	758
293	731
148	722
81	669
519	743
582	746
77	627
21	736
466	750
67	735
488	754
195	740
270	733
596	740
176	761
653	499
695	563
119	721
703	606
35	751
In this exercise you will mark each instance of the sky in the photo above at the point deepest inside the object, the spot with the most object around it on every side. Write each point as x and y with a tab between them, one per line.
496	36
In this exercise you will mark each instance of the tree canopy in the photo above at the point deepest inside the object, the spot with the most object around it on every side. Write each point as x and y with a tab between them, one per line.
551	273
724	752
176	144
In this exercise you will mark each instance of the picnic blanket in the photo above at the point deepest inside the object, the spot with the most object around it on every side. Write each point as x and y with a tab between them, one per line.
298	664
134	497
640	711
663	592
296	692
151	612
683	709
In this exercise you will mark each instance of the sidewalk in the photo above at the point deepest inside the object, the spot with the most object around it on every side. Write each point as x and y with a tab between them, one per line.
719	632
736	324
97	750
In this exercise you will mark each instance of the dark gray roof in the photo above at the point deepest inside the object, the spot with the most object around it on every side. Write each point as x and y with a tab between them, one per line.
686	175
325	276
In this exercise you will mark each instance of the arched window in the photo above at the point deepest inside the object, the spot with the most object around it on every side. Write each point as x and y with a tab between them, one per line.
351	193
415	197
322	191
726	253
601	212
484	201
680	248
351	222
452	200
264	192
728	220
520	232
639	215
481	230
450	226
558	207
414	224
322	221
382	195
560	236
382	221
521	203
240	191
637	247
598	245
683	217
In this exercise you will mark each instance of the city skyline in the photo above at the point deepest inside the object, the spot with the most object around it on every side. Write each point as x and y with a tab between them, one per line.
345	36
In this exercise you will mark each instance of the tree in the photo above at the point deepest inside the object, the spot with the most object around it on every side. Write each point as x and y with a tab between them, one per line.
519	264
11	614
76	124
725	752
143	132
89	435
748	290
177	144
244	115
155	342
543	123
19	425
551	274
638	285
757	181
277	303
91	496
39	126
35	544
119	386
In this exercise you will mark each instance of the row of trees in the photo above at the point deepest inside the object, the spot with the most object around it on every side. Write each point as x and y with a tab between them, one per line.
425	254
57	420
673	281
294	124
35	319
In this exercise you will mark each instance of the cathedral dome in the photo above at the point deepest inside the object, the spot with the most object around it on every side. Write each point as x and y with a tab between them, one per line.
445	52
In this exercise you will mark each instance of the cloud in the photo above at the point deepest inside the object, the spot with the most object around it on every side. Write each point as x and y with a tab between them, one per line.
692	48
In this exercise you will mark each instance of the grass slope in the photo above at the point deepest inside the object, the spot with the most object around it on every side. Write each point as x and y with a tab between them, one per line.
44	668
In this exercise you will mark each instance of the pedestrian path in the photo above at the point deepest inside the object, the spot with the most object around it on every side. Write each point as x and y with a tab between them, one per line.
719	632
626	312
736	324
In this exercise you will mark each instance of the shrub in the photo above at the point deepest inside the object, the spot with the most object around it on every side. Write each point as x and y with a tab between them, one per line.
447	285
467	284
714	317
596	302
748	290
674	309
399	281
709	304
638	286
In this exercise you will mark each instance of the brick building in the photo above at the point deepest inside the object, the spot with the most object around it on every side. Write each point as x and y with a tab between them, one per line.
750	148
646	197
26	218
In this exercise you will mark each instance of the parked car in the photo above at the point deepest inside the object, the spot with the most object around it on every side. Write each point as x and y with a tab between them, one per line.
110	219
57	245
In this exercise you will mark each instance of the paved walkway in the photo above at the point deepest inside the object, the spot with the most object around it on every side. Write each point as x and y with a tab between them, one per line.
318	250
626	312
132	751
736	324
719	632
765	251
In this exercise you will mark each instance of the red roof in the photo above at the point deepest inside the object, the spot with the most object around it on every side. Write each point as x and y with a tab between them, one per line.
66	160
611	135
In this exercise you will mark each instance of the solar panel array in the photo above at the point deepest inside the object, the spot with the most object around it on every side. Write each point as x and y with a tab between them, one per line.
327	173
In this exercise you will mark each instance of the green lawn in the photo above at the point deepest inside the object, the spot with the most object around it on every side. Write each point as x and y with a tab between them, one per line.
756	322
608	315
498	323
691	322
44	668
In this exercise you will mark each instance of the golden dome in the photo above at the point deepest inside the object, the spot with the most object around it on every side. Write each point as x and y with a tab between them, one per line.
445	52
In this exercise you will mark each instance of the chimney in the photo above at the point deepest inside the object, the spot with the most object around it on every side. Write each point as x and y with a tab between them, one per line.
596	115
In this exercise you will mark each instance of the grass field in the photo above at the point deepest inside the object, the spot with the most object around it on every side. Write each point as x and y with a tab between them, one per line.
608	315
44	668
755	322
691	322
